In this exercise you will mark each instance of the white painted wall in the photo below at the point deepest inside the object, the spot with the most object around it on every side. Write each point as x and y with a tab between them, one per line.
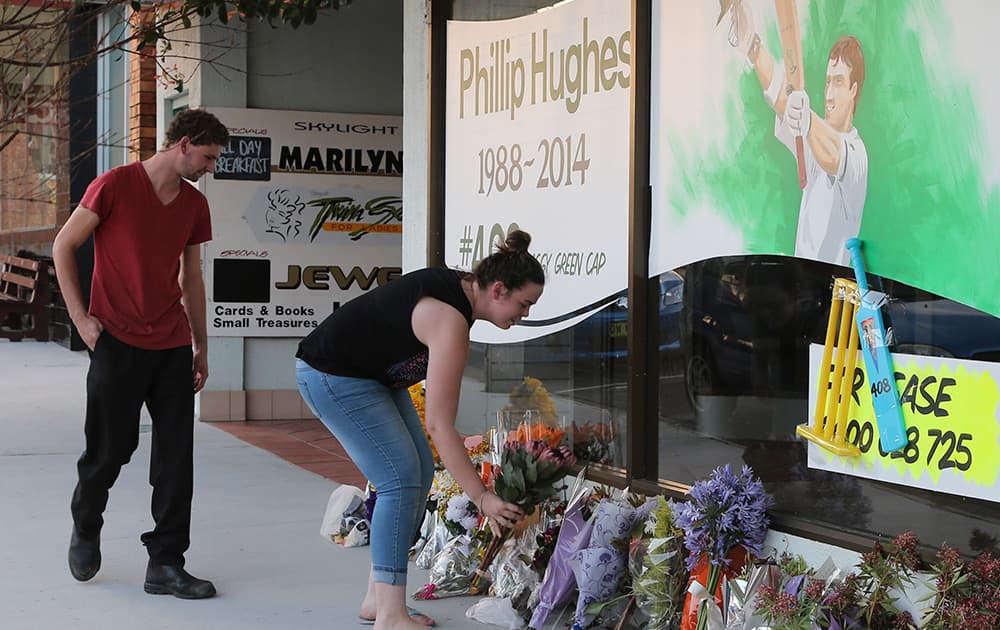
416	54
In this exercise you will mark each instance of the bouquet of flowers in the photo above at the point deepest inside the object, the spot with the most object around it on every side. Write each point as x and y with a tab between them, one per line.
601	566
789	595
659	576
460	515
574	533
450	510
451	569
594	442
725	518
967	594
527	476
527	432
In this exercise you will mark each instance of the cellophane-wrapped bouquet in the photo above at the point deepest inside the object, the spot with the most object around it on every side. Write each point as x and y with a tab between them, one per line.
528	474
600	568
659	574
724	520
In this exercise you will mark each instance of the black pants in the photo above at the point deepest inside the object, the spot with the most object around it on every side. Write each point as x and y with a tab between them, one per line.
120	380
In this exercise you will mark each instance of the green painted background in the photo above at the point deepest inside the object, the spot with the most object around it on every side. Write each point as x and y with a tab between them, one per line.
930	220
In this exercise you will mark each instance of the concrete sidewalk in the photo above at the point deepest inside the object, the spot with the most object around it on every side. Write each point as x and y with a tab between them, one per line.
255	530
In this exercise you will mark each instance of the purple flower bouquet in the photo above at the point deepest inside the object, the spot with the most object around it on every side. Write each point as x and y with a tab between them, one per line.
726	513
574	535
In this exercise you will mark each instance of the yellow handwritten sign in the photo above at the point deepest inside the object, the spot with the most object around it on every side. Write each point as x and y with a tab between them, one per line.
950	408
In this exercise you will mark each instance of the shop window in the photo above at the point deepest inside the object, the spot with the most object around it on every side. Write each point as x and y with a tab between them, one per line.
577	376
572	380
112	91
32	164
740	386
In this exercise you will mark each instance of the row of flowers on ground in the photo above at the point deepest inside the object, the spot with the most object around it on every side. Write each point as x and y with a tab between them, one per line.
612	559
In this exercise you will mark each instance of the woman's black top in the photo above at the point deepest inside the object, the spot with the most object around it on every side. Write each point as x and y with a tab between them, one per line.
372	336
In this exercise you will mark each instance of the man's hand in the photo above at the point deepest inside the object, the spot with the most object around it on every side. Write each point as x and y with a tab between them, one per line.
199	367
90	329
798	114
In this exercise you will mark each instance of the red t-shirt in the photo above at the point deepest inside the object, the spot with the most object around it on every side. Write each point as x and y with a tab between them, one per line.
137	248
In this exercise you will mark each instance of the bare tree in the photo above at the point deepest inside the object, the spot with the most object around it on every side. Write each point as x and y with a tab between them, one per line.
37	65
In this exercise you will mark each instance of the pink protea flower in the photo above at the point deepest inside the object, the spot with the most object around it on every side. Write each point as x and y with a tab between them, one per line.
560	456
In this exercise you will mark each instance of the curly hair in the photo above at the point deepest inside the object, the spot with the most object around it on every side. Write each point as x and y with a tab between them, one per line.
200	127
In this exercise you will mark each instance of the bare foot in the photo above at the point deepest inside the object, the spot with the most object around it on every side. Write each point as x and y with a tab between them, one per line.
368	608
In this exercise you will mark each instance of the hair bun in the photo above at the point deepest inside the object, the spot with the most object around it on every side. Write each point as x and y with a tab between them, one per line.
517	241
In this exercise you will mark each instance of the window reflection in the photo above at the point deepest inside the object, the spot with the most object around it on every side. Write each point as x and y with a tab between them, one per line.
581	372
741	387
34	160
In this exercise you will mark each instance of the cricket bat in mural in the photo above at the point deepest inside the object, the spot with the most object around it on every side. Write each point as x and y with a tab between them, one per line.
791	47
878	361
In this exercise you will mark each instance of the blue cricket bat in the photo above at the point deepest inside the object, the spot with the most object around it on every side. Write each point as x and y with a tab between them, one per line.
878	361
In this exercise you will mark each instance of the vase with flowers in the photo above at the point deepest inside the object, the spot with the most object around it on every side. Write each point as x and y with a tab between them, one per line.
724	519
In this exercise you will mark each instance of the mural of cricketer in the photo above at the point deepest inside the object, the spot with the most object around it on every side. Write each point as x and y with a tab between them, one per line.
833	162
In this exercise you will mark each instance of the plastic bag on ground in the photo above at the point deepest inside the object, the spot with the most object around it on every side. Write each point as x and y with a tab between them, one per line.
496	611
345	502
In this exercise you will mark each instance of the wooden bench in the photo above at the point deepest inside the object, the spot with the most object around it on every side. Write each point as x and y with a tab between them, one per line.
24	290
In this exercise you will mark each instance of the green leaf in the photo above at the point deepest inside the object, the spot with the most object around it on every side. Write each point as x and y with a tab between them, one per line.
507	469
530	473
517	480
595	608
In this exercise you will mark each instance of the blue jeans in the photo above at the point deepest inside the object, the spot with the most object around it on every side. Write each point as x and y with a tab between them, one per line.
380	429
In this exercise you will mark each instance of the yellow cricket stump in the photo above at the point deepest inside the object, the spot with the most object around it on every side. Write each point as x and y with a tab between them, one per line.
829	426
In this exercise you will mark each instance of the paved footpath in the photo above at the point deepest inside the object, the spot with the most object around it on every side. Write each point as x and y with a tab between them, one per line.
255	530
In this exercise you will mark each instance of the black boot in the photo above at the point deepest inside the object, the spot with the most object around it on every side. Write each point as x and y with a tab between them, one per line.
84	556
162	579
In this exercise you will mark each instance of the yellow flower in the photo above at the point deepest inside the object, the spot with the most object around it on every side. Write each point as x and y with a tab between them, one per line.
531	395
418	393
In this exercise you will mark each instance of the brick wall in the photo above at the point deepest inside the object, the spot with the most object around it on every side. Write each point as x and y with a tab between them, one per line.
142	98
30	200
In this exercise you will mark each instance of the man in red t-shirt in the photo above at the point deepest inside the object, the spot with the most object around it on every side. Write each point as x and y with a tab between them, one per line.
147	338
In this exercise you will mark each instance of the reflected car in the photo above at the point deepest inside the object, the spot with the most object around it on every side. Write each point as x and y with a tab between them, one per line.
749	320
604	335
925	324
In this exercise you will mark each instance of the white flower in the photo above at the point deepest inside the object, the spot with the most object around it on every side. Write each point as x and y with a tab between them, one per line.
462	510
444	485
650	526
